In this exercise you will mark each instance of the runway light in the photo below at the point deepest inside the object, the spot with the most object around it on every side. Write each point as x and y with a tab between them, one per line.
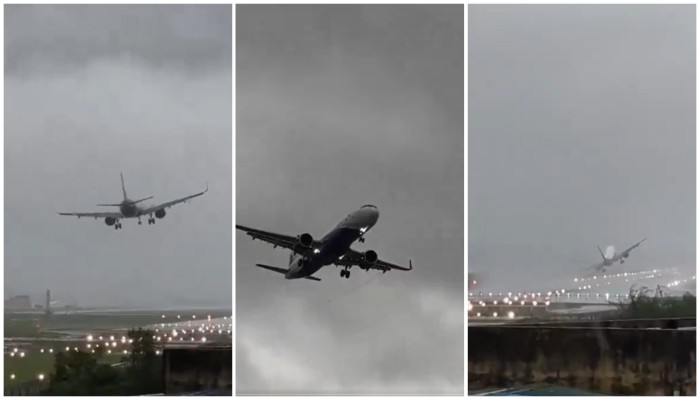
50	350
495	314
12	376
534	303
89	338
511	314
41	377
478	314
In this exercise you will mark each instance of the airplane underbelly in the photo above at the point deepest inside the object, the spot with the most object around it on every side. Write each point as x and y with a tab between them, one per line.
338	242
310	268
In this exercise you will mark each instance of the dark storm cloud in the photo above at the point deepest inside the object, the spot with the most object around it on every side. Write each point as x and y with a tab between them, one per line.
81	114
49	37
581	132
340	106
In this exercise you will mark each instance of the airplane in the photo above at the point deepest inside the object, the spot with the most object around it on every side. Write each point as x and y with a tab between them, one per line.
130	209
610	257
309	255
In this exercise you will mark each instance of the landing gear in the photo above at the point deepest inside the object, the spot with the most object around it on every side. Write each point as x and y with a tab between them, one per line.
151	220
118	226
139	221
361	239
344	273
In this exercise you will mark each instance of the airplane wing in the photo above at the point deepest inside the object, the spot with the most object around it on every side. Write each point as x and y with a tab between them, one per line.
93	214
169	204
352	258
619	255
275	239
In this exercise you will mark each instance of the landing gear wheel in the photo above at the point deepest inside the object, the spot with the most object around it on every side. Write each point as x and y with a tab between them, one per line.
347	274
139	222
361	240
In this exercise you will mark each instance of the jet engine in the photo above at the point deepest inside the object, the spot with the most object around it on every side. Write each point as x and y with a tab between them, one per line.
370	257
110	221
160	213
305	240
625	255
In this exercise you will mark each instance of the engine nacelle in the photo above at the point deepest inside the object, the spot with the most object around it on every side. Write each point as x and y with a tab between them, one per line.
370	257
160	213
625	255
305	240
110	221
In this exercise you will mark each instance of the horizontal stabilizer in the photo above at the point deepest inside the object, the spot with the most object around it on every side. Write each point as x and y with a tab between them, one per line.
284	271
275	269
138	201
126	202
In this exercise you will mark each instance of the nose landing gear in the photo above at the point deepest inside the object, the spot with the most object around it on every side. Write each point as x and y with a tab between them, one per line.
345	273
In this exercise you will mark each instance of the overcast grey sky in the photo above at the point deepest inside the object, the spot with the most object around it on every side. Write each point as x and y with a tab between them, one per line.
581	132
94	90
340	106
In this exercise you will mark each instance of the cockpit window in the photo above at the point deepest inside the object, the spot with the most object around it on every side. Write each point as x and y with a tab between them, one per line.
369	205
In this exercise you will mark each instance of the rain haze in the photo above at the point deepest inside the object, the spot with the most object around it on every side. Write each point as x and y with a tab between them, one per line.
337	107
92	91
581	133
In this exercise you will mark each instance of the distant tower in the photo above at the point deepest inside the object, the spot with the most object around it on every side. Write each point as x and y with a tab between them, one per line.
47	309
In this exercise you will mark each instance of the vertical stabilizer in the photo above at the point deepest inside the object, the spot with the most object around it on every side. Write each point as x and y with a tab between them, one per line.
123	188
601	252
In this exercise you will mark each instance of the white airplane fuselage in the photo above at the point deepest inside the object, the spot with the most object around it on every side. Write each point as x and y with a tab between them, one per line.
334	244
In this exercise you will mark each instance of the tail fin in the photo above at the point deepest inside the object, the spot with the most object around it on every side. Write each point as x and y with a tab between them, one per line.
123	188
601	252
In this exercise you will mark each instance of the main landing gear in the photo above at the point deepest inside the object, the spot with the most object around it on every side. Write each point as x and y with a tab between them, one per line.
361	239
118	225
151	221
344	273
